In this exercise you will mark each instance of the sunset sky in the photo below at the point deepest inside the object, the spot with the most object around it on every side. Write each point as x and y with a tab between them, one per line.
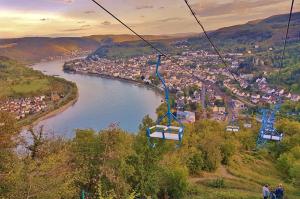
19	18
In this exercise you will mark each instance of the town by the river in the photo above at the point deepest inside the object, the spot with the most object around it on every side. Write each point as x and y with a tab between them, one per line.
101	102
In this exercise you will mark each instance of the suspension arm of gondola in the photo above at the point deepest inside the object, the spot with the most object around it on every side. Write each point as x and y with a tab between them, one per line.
166	89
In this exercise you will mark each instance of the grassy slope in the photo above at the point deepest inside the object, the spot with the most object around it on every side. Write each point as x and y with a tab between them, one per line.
246	172
17	81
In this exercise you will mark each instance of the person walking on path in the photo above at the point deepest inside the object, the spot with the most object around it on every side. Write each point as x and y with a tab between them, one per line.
266	191
279	192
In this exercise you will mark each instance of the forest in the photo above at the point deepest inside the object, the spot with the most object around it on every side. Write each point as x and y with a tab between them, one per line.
112	163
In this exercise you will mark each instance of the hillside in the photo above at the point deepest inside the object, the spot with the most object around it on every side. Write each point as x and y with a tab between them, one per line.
269	31
33	49
28	94
210	164
264	40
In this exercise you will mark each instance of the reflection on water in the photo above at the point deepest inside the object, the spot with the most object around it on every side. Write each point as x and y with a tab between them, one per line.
101	102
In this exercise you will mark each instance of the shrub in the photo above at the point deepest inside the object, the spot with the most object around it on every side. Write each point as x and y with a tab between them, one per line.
285	162
195	163
227	149
217	183
176	183
295	174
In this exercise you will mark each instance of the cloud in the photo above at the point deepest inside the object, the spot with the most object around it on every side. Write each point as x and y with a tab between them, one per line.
144	7
170	19
218	8
80	22
89	12
64	1
85	26
106	23
44	19
73	29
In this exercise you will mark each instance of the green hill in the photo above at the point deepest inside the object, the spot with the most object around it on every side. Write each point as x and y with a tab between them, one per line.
264	39
33	49
20	82
267	32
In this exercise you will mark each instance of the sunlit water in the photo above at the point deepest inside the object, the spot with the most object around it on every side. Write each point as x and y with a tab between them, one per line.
101	102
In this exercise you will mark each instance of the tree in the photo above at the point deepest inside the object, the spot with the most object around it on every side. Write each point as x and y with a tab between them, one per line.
228	149
101	161
49	175
146	175
195	163
175	182
9	139
37	138
285	162
9	131
295	173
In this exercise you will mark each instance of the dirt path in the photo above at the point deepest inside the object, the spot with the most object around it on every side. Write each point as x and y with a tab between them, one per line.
220	172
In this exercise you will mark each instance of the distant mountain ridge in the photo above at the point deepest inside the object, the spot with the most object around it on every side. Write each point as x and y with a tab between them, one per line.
269	31
33	49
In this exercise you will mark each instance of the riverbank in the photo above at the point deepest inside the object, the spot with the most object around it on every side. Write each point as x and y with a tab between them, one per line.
36	119
102	101
56	111
135	82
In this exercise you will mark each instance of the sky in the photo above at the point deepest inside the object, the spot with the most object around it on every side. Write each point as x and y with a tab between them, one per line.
54	18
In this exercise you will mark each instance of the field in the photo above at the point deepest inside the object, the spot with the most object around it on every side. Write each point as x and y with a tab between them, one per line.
17	81
242	178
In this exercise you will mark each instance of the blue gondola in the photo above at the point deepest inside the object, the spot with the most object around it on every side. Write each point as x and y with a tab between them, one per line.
268	132
165	132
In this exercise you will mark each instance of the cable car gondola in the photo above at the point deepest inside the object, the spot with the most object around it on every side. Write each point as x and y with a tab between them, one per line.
165	132
233	126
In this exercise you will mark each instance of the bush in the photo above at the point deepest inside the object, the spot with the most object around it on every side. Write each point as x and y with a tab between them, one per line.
227	149
217	183
176	183
212	157
296	152
295	174
285	162
195	163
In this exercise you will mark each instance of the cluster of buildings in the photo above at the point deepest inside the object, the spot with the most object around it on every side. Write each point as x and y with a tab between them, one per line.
189	69
68	55
264	94
23	107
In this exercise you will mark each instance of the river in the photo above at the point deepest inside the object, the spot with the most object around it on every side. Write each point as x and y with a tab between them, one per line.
101	102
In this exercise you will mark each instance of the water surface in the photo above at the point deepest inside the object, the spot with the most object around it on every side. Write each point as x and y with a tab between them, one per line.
101	102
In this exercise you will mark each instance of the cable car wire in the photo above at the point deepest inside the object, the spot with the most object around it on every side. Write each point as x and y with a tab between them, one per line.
141	37
156	49
287	34
205	33
208	38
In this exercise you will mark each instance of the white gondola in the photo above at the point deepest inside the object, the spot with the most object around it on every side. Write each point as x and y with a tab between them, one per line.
166	132
248	125
272	137
232	128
